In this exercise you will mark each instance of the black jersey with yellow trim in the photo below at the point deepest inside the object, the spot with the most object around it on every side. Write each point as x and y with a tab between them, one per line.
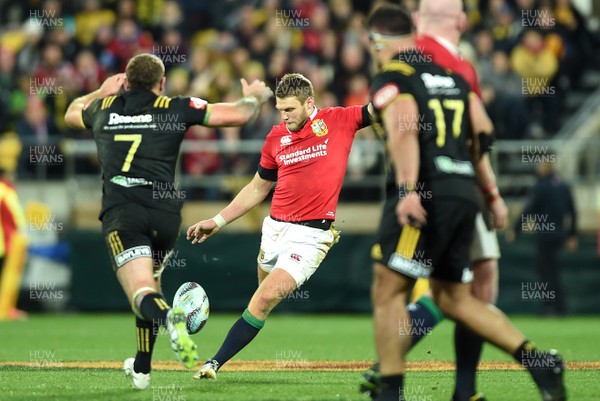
443	122
138	136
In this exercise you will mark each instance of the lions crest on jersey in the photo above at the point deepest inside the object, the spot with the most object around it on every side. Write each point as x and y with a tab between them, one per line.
319	127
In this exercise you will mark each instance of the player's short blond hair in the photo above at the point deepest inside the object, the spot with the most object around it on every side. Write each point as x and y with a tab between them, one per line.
296	85
144	71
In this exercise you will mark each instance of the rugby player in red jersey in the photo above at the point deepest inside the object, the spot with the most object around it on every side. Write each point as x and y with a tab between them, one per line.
306	154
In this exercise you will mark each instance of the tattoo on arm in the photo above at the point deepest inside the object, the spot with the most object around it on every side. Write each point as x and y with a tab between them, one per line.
251	103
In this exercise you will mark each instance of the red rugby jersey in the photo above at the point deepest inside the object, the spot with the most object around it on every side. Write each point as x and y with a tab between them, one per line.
310	164
12	218
447	59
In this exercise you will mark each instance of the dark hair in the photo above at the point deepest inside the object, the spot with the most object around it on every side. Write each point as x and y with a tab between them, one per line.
390	19
296	85
144	71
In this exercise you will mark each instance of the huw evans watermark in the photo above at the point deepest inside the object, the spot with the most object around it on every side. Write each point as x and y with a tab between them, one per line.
536	154
44	291
536	291
290	359
45	87
291	19
43	358
170	55
45	19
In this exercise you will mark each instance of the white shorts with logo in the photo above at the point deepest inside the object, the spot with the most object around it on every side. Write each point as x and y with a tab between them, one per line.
485	241
299	250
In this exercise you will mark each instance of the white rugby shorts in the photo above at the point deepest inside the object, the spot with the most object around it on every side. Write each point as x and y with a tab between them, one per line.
299	250
485	241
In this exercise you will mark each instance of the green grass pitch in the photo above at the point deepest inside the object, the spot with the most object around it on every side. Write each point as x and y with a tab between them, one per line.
46	341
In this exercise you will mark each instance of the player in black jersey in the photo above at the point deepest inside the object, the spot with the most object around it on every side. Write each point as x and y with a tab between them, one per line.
426	118
138	134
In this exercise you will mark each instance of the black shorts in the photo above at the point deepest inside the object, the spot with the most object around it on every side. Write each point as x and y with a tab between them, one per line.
133	231
397	247
439	250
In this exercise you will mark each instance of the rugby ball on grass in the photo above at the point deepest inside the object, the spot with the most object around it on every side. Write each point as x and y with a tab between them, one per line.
192	298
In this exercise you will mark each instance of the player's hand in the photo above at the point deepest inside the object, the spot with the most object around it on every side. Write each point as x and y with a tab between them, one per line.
499	213
410	211
258	89
112	85
200	231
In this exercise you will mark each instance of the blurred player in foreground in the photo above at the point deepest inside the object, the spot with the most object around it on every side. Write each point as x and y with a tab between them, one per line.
138	157
306	154
435	180
13	242
439	25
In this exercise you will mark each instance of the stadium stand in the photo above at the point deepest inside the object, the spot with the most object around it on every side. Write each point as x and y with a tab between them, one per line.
53	51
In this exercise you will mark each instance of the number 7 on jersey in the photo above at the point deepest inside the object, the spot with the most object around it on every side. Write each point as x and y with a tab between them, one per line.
136	139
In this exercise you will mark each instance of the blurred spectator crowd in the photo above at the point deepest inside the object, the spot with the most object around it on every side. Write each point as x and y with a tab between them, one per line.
528	54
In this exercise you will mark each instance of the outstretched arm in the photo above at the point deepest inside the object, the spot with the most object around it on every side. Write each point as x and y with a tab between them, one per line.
242	111
247	199
73	115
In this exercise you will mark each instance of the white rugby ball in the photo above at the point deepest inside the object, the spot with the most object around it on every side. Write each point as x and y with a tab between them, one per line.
192	298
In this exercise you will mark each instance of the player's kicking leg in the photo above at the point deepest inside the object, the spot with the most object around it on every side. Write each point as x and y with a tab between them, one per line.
272	289
289	255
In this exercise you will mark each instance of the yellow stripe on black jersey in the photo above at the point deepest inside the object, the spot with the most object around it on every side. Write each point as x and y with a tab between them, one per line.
107	102
162	102
111	100
398	66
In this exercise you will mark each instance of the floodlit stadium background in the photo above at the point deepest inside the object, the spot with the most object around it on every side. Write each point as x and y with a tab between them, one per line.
53	51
